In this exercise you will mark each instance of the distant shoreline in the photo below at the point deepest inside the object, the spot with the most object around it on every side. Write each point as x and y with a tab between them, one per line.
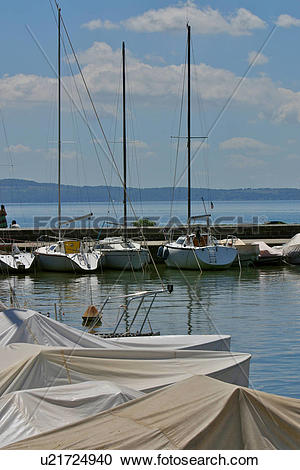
26	191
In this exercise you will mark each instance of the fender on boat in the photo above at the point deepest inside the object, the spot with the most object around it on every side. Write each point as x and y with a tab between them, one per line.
163	252
160	251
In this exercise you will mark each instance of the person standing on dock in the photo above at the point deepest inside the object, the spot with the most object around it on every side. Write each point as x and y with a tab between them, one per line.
3	214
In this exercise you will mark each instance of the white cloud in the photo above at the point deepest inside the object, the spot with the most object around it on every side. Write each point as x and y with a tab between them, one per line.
289	109
174	18
19	148
141	149
99	24
93	24
286	21
257	59
249	146
205	21
101	53
154	85
21	89
66	154
242	161
139	144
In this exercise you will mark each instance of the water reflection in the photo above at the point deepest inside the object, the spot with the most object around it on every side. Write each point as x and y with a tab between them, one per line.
259	308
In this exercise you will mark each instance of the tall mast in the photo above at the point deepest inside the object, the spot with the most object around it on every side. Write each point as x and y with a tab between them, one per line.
189	123
124	148
59	128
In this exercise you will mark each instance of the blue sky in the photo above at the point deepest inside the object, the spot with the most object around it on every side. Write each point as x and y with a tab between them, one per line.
253	142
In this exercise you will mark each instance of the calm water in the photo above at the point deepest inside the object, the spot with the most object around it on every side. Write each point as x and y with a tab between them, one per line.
30	215
259	308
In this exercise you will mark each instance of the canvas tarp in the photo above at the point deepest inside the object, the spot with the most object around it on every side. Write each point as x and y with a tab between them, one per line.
30	412
198	413
26	366
203	342
28	326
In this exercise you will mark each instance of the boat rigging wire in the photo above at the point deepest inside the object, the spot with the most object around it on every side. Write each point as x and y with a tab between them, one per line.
82	114
110	157
98	120
229	99
11	164
85	120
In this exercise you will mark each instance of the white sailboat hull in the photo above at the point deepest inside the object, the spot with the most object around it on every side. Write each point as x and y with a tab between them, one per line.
207	258
61	262
17	263
126	259
123	254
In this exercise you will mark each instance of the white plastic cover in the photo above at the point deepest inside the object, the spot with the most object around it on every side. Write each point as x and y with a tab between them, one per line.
31	412
294	241
28	326
26	366
292	248
267	250
198	413
204	342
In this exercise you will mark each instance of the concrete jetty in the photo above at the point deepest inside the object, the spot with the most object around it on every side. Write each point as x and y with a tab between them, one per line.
153	237
243	231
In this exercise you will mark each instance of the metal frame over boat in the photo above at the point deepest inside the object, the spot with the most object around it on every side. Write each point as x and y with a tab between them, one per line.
28	326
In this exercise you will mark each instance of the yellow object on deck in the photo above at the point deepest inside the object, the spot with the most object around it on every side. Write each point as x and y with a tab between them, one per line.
72	246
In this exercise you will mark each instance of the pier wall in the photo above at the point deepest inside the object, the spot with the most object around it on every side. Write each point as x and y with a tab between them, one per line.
243	231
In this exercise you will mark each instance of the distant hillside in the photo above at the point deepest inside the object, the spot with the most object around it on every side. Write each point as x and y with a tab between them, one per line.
17	190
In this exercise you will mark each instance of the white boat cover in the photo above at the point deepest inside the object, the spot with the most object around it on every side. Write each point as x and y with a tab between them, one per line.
267	250
31	412
26	366
203	342
29	326
293	242
291	249
198	413
2	306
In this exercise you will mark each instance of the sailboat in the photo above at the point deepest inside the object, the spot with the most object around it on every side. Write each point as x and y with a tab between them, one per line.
66	255
12	259
196	250
122	252
15	261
